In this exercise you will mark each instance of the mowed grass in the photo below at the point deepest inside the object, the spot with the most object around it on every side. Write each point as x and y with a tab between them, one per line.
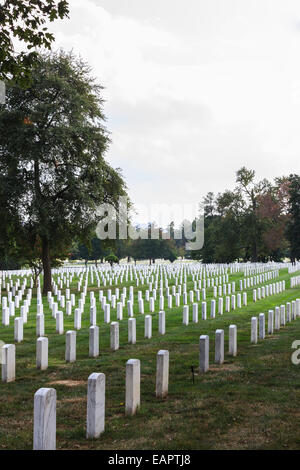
249	402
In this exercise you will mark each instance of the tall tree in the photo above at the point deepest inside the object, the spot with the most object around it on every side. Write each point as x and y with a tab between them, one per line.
293	229
93	250
228	227
273	213
246	223
250	192
25	20
53	174
208	252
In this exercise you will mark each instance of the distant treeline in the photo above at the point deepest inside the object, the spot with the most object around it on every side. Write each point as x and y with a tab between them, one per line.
256	221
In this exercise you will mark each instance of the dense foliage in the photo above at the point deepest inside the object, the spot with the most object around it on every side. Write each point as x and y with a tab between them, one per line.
25	21
53	174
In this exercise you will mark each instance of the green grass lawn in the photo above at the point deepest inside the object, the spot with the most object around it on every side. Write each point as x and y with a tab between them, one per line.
249	402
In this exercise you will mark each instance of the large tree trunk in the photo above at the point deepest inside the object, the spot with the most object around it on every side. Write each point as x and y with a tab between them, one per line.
47	287
36	272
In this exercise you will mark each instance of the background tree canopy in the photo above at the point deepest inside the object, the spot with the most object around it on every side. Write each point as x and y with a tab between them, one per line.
25	20
248	223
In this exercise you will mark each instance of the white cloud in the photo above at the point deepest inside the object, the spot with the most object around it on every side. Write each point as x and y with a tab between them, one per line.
194	90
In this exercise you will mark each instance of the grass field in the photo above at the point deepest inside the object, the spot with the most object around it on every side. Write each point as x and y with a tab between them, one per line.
249	402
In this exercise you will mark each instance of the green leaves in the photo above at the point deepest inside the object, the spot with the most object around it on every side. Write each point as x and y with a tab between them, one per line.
53	174
24	20
248	222
293	228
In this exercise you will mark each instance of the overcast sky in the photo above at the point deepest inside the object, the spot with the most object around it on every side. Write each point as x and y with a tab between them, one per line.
194	89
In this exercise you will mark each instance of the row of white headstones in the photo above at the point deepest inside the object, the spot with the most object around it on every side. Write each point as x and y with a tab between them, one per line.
17	295
170	272
54	306
45	398
44	433
142	272
58	315
70	354
42	342
8	363
210	282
